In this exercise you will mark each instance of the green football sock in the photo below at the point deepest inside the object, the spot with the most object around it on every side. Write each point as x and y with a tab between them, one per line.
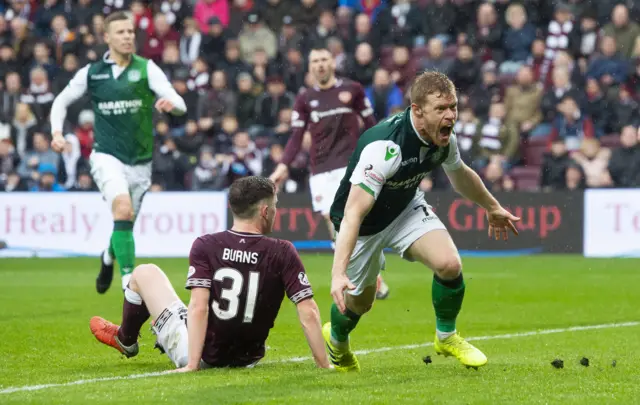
123	245
447	296
342	324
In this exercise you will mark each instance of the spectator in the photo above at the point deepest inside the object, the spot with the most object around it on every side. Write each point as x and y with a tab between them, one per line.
269	105
362	33
214	40
487	92
561	87
8	160
274	11
246	103
593	161
624	165
39	95
467	126
324	29
8	62
255	35
522	101
13	182
622	30
10	96
517	39
384	95
85	183
465	70
610	69
440	20
205	9
71	162
191	40
46	179
211	171
163	35
597	107
554	166
436	59
289	37
402	67
23	128
362	66
293	70
244	152
574	178
213	104
176	11
64	40
559	31
485	36
495	140
84	132
625	110
572	125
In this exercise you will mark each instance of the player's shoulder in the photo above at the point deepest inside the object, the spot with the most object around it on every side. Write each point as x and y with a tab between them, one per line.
209	239
349	84
281	246
388	129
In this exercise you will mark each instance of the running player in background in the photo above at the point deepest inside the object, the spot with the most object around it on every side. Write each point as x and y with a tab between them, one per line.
237	279
378	206
330	112
123	87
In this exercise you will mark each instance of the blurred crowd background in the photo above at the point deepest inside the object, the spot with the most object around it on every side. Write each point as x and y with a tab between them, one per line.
548	90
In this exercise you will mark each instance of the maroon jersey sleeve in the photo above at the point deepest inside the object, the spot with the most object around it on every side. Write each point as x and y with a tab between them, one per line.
363	106
299	120
200	273
294	277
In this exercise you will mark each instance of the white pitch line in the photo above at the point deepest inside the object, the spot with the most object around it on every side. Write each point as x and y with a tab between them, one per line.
359	352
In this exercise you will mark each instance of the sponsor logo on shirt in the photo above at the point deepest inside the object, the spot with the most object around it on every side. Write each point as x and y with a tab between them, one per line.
134	75
409	161
391	152
318	115
375	178
119	107
302	277
100	76
344	96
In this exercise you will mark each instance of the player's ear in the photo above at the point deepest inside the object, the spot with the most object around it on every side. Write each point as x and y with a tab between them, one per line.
417	111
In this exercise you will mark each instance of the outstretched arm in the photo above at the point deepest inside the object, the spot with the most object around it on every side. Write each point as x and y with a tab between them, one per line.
309	316
169	100
467	182
70	94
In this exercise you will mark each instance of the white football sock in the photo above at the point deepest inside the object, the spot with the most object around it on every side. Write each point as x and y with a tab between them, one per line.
125	281
444	335
106	258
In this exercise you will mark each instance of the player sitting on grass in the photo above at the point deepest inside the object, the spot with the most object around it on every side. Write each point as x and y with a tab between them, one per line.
237	279
378	206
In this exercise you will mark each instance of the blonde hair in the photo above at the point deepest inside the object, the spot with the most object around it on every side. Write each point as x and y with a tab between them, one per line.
430	82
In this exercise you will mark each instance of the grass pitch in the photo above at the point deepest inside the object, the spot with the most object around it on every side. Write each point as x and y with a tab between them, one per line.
527	312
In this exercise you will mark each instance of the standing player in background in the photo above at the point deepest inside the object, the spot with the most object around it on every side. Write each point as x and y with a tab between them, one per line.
123	87
330	111
237	279
378	206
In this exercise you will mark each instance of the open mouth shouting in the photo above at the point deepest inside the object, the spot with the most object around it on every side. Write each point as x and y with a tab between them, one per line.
445	131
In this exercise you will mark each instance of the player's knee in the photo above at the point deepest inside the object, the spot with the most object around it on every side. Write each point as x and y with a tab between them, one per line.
361	304
142	272
122	208
449	268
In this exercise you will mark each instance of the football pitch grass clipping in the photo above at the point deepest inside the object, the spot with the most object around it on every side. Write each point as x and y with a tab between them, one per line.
525	312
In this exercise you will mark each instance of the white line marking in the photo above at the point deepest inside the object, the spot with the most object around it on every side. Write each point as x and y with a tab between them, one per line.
360	352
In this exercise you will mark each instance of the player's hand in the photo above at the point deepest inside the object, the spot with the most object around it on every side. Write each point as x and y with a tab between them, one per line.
500	221
340	283
279	175
58	142
164	105
185	369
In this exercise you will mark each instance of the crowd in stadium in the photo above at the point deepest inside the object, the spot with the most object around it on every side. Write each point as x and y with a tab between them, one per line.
548	91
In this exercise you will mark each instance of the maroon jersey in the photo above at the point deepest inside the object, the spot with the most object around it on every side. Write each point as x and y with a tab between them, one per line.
331	115
248	275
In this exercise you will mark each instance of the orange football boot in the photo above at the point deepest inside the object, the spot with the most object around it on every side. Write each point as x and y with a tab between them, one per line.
107	333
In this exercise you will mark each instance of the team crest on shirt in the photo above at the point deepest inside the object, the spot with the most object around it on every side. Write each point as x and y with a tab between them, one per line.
302	277
192	271
344	96
134	75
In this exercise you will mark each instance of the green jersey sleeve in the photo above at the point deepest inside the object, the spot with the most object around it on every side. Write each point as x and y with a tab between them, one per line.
453	160
378	162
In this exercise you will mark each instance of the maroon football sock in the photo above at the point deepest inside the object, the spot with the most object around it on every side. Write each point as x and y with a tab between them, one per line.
133	317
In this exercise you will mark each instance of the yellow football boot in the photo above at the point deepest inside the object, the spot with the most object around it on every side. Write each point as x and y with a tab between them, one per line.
342	359
462	350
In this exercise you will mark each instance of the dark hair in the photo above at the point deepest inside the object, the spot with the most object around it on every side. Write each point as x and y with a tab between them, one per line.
115	16
430	82
246	193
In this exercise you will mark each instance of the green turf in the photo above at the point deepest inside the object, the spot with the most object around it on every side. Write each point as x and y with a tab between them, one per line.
46	305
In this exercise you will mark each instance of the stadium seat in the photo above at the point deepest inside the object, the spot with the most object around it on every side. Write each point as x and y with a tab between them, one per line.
611	141
533	149
526	178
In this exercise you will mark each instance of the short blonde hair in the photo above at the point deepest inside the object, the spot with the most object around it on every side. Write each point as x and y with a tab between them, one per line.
430	82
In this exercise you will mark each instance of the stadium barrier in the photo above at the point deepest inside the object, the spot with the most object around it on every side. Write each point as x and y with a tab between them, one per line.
79	224
551	223
612	223
598	223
